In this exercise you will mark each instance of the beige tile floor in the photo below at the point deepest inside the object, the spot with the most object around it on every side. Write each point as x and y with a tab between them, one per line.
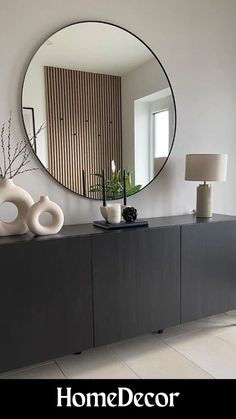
202	349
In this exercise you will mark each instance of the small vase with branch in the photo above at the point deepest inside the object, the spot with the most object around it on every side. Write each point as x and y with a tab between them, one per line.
14	160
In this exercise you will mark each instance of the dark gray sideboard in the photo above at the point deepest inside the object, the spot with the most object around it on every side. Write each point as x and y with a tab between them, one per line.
86	287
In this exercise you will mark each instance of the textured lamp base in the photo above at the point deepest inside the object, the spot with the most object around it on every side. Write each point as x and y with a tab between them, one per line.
204	201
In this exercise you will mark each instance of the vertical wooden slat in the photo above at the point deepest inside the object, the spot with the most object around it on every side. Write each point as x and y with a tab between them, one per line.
58	116
83	125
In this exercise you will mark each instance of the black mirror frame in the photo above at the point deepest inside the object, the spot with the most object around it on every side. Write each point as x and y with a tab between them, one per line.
174	103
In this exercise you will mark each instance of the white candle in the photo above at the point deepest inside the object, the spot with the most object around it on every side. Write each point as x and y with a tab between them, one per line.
114	213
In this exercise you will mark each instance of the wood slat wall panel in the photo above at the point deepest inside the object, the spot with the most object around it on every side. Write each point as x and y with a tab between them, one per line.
83	125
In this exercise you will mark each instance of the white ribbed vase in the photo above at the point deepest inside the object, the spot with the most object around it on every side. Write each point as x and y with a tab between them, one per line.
45	205
9	192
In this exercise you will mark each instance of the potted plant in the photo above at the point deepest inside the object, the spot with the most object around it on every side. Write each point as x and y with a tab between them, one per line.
114	186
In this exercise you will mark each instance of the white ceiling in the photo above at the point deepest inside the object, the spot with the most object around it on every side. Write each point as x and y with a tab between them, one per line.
94	47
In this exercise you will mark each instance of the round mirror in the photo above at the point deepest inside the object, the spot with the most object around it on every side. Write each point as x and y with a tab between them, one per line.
106	104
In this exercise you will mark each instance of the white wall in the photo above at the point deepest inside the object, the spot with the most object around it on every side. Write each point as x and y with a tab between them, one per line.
144	80
140	143
195	41
34	97
143	133
165	103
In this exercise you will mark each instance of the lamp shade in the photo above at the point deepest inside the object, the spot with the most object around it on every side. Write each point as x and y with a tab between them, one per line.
206	167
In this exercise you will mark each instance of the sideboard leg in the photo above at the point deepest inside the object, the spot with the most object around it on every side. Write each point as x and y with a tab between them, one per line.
159	332
77	353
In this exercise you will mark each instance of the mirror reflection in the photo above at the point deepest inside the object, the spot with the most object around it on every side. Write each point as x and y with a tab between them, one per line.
106	104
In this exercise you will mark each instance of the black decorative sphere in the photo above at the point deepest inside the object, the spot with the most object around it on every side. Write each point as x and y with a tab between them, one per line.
129	214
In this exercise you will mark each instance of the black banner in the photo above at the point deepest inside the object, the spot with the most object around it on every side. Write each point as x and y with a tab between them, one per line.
156	397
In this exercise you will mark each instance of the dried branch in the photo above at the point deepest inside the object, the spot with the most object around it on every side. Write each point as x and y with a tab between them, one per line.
19	156
18	144
22	164
9	142
16	170
1	171
24	161
23	148
3	149
26	170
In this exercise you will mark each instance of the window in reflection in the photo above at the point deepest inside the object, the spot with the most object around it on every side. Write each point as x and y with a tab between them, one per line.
161	133
154	124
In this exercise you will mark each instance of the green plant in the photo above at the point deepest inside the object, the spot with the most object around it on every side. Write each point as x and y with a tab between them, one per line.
114	186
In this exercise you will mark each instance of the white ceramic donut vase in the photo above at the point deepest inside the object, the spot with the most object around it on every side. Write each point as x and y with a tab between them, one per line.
45	205
9	192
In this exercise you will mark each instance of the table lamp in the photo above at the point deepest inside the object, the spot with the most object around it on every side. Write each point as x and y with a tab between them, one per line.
206	168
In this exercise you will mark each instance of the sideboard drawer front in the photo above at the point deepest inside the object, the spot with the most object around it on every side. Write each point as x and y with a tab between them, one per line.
45	301
136	282
208	284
